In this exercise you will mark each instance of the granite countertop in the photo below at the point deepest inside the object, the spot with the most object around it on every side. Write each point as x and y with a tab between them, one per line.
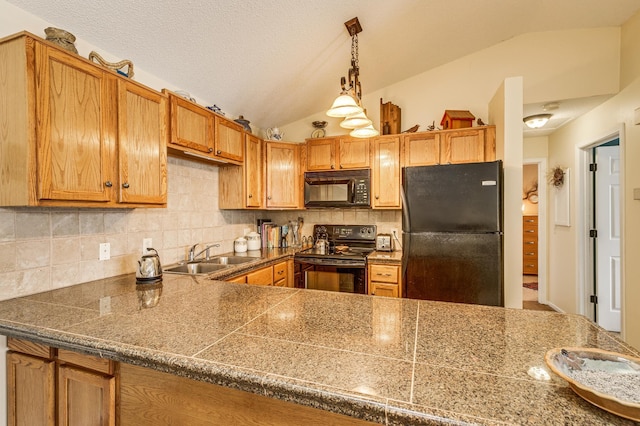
390	257
386	360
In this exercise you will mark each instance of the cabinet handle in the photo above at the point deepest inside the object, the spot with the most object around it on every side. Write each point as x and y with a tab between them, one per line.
383	275
218	152
530	254
530	266
210	149
529	220
125	185
280	272
530	242
531	231
108	184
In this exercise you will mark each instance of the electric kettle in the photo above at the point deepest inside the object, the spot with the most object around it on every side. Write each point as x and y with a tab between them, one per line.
149	267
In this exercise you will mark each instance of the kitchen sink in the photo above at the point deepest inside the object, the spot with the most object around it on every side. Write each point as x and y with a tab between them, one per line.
229	260
199	268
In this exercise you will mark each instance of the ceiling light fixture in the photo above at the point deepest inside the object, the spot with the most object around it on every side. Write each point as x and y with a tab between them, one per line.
536	121
349	103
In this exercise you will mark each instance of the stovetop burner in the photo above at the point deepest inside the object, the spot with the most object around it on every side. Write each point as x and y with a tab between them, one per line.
345	241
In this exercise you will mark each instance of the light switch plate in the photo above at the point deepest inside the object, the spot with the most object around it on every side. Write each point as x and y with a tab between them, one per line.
105	251
146	243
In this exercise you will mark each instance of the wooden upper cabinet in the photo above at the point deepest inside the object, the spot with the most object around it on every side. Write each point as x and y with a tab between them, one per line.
420	149
75	128
74	134
253	171
472	145
229	141
353	153
333	153
142	144
282	175
321	154
241	187
385	173
191	125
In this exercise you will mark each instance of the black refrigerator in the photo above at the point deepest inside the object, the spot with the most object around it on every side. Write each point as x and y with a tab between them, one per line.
452	233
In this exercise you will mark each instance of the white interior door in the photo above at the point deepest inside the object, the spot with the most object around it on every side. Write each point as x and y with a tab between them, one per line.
608	272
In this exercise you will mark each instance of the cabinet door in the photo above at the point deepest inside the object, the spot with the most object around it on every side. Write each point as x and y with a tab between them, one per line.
386	172
383	289
75	128
353	153
283	184
262	276
229	142
422	149
463	146
31	390
321	154
142	144
85	397
191	125
280	274
253	171
242	279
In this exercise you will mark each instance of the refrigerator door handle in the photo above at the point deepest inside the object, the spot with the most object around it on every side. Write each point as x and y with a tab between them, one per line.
406	222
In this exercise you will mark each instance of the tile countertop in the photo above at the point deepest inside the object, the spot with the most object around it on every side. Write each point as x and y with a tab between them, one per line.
386	360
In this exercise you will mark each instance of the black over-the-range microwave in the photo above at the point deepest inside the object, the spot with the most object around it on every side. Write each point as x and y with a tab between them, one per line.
339	188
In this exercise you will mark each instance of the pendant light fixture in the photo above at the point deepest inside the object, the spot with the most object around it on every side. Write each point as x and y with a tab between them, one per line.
536	121
349	103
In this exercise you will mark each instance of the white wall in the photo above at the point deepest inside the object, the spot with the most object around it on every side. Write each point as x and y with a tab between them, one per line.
554	65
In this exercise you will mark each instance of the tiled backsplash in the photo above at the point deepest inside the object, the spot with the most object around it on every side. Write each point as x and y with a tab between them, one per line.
47	248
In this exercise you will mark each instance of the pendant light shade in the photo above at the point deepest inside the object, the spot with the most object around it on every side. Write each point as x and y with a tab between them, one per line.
364	132
344	105
354	121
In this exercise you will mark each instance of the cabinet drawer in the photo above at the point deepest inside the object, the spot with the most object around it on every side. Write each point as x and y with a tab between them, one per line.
280	283
30	348
529	244
242	279
530	220
384	273
279	271
87	361
529	254
261	277
530	267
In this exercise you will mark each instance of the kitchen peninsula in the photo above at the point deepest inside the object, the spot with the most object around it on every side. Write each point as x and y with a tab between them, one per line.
273	355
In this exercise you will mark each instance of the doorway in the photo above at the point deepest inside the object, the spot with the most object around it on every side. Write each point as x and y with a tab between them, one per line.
534	173
605	235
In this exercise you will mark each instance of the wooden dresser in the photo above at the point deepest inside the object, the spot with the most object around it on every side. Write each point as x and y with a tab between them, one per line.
530	245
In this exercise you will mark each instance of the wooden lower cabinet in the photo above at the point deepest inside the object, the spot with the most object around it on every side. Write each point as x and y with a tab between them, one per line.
279	275
83	396
384	280
149	397
30	390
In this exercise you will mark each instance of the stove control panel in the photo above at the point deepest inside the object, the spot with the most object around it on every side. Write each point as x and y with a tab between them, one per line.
345	232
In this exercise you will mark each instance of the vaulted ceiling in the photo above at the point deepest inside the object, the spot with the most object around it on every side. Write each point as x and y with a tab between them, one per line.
277	61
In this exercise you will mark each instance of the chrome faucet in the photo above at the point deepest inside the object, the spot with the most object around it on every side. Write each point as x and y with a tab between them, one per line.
193	255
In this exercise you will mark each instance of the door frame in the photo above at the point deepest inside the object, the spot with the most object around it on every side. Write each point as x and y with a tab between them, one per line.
584	211
541	162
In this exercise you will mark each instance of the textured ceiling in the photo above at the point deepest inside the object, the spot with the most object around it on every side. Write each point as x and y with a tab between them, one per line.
277	61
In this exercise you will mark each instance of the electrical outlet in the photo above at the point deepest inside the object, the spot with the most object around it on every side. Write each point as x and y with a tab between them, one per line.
146	243
105	251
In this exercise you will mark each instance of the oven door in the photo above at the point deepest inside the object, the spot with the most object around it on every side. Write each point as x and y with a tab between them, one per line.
318	275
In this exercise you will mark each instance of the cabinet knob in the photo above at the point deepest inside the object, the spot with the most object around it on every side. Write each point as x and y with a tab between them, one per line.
125	185
341	166
377	197
210	149
108	184
280	272
333	167
268	197
218	152
250	196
